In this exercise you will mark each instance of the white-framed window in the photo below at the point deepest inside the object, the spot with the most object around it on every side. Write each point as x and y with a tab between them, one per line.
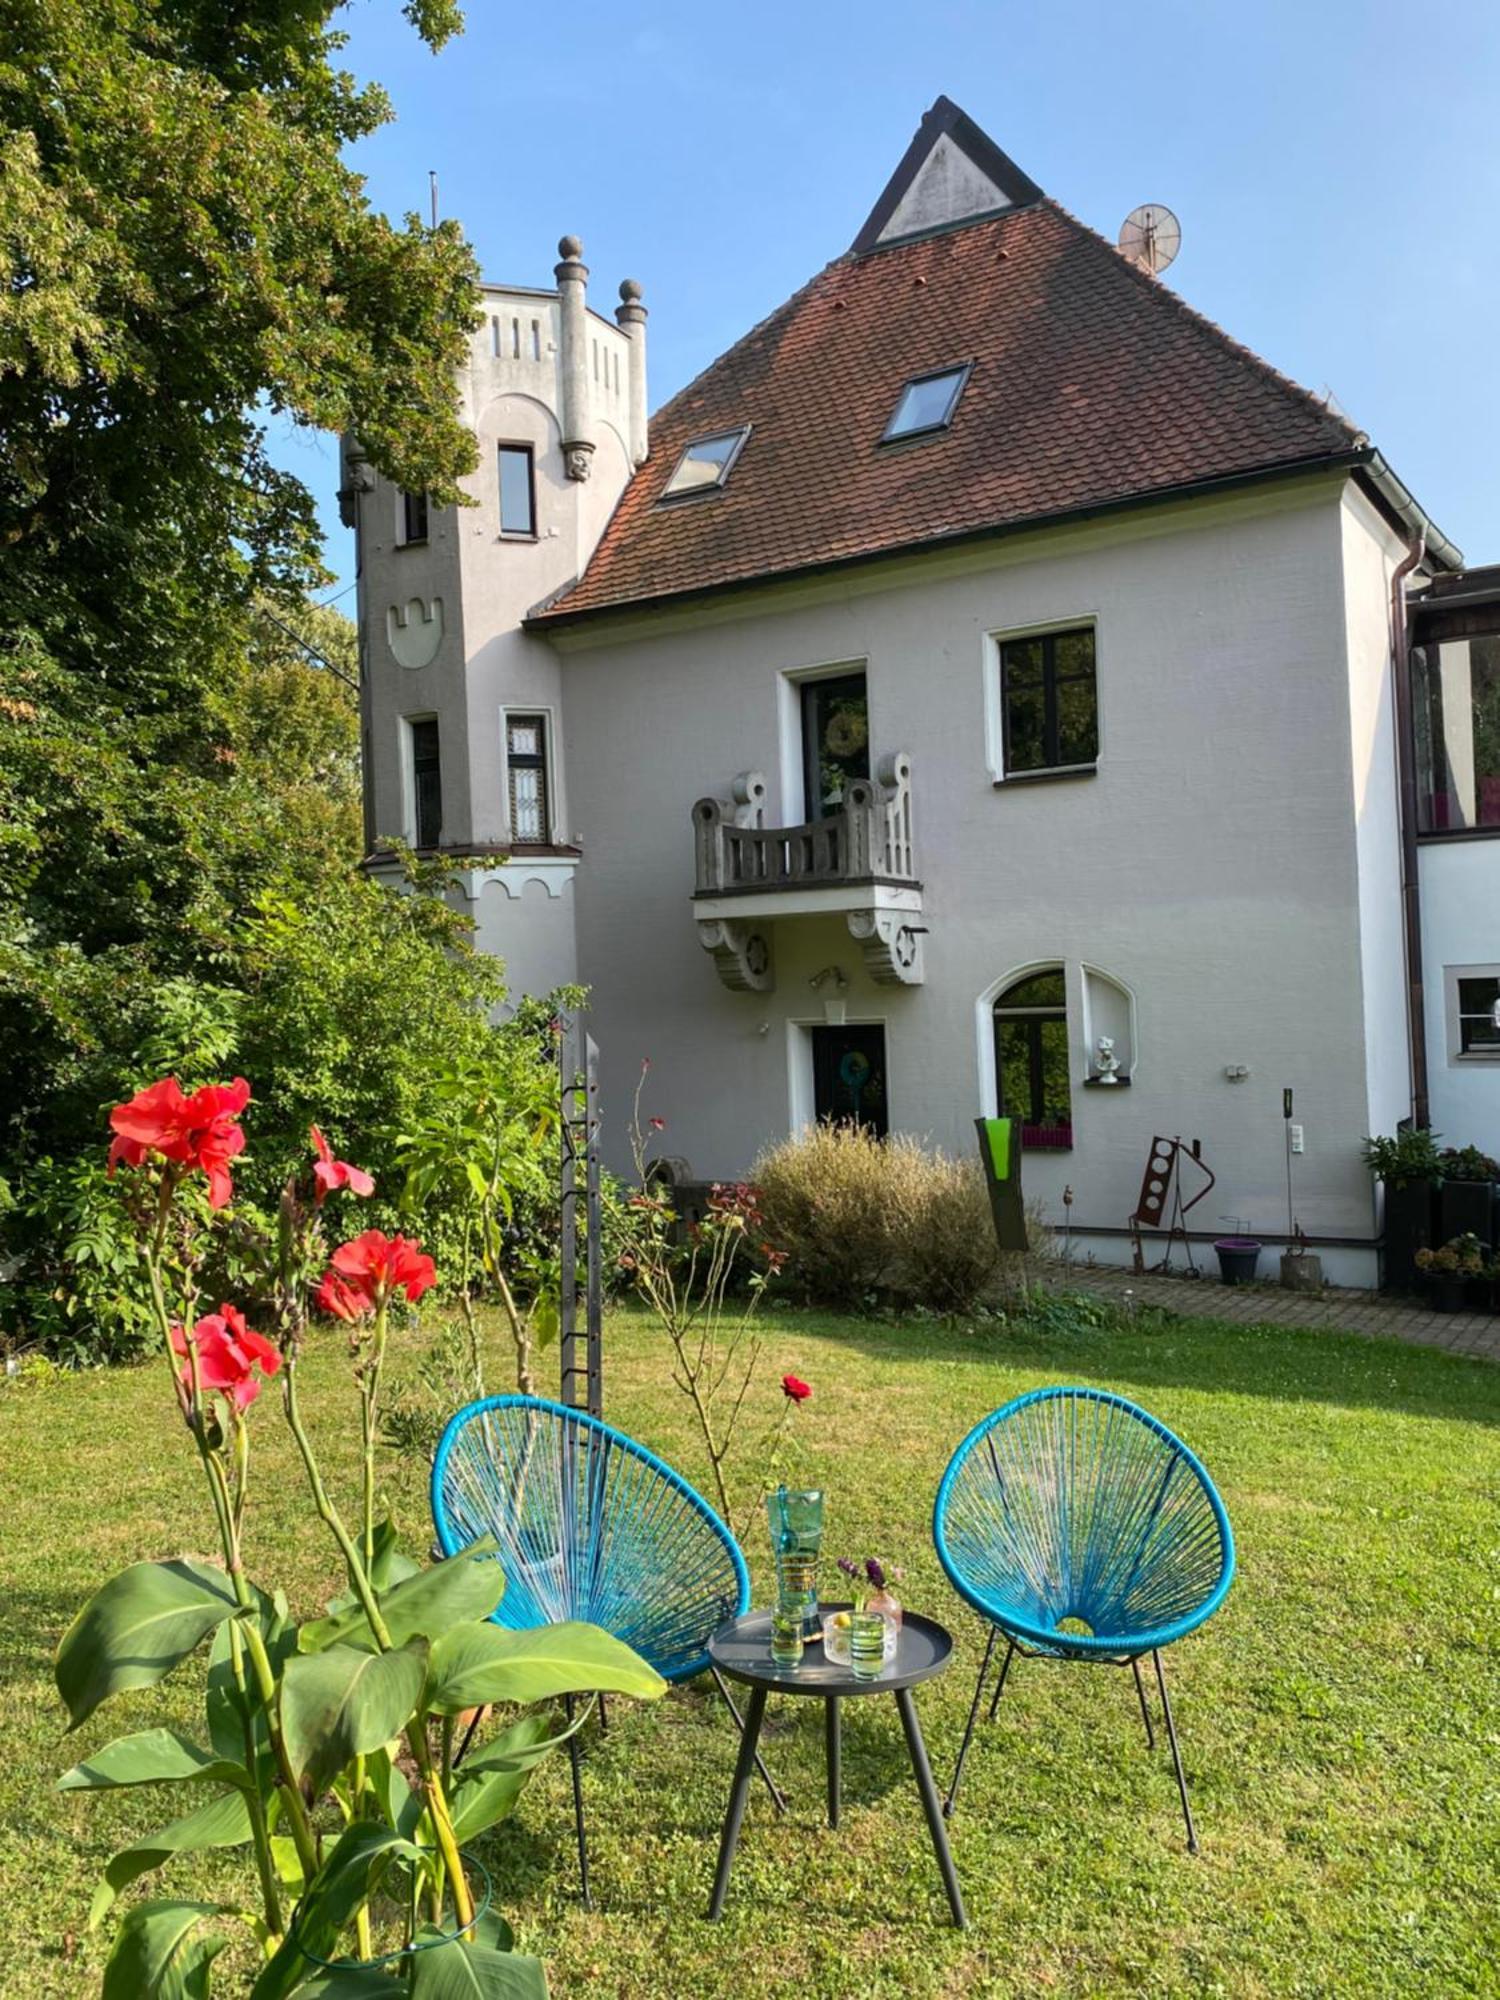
526	741
1041	701
1472	993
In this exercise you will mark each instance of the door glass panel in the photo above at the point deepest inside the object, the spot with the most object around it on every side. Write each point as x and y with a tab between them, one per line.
835	739
849	1077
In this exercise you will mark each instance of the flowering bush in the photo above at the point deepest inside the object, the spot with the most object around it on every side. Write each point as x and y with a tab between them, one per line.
329	1742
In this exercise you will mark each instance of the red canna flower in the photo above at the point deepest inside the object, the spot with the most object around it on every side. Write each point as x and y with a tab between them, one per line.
341	1301
795	1388
199	1131
229	1352
331	1174
658	1124
376	1266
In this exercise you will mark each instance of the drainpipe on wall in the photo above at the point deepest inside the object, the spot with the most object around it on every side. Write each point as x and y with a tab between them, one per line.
1411	889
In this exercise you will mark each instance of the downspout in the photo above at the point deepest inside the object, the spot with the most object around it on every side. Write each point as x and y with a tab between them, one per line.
1411	888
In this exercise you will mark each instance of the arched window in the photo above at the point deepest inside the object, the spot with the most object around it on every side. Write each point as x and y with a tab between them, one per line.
1032	1059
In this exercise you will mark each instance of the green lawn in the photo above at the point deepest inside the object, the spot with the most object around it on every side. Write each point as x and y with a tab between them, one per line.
1340	1716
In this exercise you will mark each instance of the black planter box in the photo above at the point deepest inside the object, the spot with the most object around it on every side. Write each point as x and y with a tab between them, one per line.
1411	1224
1468	1209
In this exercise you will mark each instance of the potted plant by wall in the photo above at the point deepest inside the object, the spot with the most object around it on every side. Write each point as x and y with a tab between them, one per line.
1407	1167
1450	1271
1468	1197
1238	1257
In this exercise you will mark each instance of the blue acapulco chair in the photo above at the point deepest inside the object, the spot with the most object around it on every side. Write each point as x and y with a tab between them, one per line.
590	1525
1071	1508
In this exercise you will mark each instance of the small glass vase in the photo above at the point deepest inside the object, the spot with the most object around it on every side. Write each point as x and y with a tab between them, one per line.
797	1588
867	1630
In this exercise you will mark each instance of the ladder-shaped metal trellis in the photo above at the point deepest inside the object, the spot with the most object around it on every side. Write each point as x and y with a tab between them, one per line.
582	1274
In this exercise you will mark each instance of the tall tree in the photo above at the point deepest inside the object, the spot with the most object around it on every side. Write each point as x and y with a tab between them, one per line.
185	256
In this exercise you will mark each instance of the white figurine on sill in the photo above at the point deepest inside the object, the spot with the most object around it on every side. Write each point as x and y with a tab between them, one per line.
1106	1062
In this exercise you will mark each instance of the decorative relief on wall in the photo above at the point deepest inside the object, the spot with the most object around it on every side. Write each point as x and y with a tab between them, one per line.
741	954
414	630
892	946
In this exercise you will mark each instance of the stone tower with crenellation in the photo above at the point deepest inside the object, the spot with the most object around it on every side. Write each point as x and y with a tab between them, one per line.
464	749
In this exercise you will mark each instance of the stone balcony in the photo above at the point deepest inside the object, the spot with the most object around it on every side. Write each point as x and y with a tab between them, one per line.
856	864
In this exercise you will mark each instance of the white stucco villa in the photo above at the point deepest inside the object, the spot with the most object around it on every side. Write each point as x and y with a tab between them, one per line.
985	656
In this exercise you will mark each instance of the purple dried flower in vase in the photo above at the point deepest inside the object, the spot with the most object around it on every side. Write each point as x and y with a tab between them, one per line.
874	1572
850	1569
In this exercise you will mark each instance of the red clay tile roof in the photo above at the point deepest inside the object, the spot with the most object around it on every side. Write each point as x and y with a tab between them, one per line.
1093	385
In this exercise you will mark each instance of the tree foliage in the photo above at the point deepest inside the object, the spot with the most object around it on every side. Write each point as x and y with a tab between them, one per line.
186	257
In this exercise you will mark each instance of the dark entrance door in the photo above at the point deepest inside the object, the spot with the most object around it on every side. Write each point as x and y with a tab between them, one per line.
849	1076
835	739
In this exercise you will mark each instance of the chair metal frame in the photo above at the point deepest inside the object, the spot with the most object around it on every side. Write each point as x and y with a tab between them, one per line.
562	1421
1030	1638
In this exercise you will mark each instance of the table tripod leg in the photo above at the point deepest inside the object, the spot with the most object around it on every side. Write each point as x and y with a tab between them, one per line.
744	1767
932	1805
834	1738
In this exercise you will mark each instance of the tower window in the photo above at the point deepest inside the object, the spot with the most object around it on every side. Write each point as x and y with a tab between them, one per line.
1031	1059
426	781
706	464
926	404
413	518
526	769
517	490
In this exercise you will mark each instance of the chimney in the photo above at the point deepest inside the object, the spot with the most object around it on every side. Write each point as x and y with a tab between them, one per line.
572	283
630	315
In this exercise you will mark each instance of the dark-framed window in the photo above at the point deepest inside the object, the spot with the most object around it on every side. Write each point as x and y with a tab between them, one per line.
705	464
1479	1016
413	518
426	781
517	491
835	739
926	403
1032	1059
849	1077
1456	720
526	779
1049	702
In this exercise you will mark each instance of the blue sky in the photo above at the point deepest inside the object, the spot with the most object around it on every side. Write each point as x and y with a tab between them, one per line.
1335	165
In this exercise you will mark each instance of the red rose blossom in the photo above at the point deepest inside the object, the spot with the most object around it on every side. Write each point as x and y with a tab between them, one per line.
229	1353
331	1174
374	1266
794	1387
199	1131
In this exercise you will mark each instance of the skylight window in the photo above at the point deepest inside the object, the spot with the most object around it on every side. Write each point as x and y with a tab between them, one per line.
706	463
926	404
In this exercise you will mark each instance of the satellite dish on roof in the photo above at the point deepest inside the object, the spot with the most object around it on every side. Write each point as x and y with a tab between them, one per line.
1151	236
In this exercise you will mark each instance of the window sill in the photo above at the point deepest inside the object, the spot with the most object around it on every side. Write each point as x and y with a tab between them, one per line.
516	535
1441	834
1049	776
416	542
1113	1083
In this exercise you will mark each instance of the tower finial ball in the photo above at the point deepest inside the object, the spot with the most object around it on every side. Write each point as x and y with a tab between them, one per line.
630	290
570	246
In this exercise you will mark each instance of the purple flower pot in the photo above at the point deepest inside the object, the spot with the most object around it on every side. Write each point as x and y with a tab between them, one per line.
1238	1257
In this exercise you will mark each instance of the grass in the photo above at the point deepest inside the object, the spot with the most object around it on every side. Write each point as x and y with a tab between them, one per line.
1339	1716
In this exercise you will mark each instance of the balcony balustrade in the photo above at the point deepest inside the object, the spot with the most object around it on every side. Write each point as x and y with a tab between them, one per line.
857	863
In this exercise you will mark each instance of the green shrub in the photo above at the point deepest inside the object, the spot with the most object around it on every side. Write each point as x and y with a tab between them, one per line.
1411	1156
867	1221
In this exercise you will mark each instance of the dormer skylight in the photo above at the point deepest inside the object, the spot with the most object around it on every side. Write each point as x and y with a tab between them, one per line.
706	464
926	404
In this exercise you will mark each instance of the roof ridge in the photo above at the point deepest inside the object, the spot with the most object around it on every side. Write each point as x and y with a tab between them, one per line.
1153	286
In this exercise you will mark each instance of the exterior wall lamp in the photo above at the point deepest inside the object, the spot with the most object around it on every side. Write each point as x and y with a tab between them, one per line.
832	983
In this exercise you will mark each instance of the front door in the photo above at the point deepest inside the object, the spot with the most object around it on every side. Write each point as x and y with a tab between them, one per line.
835	739
849	1086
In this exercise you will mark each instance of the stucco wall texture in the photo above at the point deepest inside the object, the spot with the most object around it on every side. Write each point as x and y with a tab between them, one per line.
1212	866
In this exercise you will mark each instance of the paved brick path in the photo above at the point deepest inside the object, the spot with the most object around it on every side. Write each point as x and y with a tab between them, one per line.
1340	1310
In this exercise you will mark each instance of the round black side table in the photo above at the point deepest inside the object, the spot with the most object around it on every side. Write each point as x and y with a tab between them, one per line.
742	1650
